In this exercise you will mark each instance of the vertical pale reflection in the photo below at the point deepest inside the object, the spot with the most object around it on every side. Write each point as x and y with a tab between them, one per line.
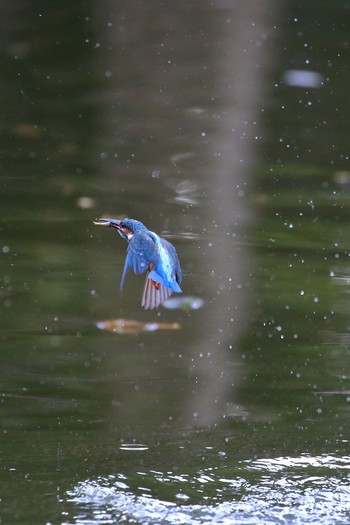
242	61
147	99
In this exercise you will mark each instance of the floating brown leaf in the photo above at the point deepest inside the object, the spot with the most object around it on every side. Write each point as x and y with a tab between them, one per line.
129	326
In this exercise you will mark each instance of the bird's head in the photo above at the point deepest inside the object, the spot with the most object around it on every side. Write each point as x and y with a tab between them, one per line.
125	227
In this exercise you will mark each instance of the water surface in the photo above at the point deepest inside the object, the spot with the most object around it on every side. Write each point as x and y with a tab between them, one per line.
182	117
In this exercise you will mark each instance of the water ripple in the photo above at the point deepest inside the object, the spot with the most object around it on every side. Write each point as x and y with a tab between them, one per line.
282	491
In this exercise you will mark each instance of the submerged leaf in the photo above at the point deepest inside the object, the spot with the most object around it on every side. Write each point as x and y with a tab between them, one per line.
129	326
184	303
8	294
86	203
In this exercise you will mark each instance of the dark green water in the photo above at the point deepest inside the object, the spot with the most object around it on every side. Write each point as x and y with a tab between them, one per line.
180	116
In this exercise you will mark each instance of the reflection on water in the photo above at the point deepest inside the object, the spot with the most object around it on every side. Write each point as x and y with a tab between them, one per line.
282	490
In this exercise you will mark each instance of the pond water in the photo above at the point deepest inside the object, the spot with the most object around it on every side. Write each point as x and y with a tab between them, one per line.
223	127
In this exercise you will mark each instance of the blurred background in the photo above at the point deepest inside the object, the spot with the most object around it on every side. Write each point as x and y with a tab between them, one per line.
224	127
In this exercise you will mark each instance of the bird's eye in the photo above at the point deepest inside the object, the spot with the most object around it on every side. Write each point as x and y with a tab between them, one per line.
122	225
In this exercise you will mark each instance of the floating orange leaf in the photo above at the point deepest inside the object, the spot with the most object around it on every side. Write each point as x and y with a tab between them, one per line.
129	326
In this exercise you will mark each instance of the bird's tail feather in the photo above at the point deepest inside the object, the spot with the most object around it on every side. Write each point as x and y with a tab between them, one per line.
154	294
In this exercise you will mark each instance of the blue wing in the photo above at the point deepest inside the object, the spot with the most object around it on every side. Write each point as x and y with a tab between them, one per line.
158	278
140	254
149	252
174	260
166	269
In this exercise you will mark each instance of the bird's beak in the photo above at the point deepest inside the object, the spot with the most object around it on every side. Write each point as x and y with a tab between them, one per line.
114	223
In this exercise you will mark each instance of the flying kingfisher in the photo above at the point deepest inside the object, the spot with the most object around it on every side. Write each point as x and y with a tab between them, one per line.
147	252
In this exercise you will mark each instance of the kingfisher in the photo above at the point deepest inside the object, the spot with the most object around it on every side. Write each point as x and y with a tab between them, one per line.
150	253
